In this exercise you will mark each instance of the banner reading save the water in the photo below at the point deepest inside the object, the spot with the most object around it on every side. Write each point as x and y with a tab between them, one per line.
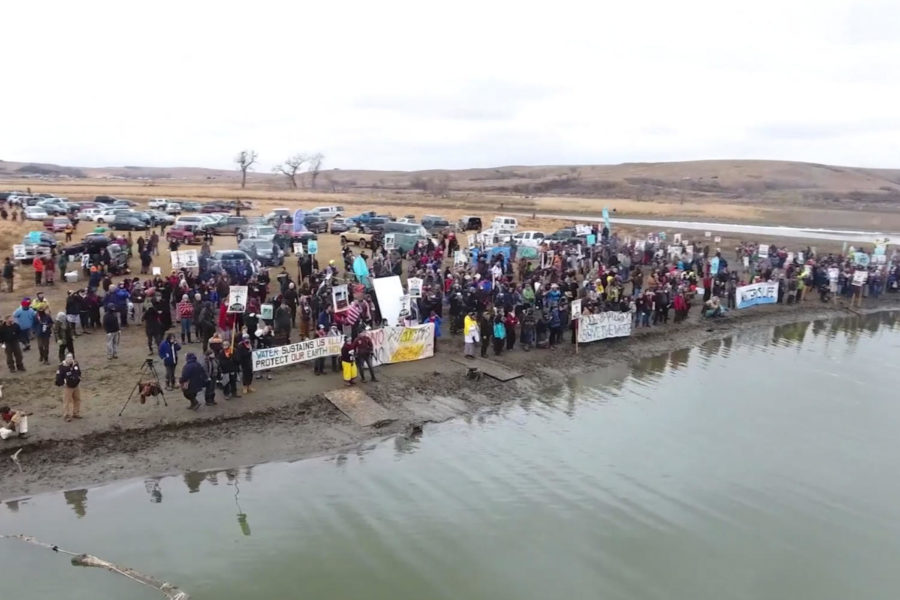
603	325
756	293
402	344
282	356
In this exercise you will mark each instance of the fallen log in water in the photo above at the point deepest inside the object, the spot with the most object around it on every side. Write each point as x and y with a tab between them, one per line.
87	560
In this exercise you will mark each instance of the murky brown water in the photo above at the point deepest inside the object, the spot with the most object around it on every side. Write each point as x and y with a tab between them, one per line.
760	466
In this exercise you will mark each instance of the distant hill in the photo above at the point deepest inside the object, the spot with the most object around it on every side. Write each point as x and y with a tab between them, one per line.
740	181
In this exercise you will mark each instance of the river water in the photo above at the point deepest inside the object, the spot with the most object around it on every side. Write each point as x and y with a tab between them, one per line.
804	233
759	466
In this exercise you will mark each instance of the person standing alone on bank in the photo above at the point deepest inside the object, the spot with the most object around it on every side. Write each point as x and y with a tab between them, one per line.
112	329
68	377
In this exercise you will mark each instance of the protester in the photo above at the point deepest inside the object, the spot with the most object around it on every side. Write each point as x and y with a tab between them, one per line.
11	336
12	422
68	376
244	358
168	352
348	361
8	274
193	380
112	328
43	326
364	349
63	333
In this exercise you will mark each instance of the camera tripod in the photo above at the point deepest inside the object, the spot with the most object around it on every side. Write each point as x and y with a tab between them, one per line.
147	367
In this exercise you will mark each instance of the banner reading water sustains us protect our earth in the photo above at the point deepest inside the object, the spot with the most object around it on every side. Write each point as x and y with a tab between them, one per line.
402	344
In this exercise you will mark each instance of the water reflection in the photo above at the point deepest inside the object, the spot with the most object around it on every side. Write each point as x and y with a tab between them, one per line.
77	499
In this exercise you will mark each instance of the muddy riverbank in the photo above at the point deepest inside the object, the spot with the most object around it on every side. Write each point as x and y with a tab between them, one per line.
288	418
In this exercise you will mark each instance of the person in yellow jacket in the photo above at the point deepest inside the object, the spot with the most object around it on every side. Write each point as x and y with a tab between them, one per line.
472	333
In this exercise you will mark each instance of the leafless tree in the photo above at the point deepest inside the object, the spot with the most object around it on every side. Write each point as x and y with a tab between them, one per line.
290	167
245	161
331	181
315	165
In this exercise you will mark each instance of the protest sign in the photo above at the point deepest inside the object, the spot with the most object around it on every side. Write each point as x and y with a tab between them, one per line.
591	239
298	248
833	275
156	271
860	277
676	238
459	258
185	259
717	239
19	252
547	259
756	293
470	240
312	247
266	312
714	265
861	259
390	241
282	356
707	234
237	298
414	285
389	291
606	222
340	296
603	325
576	309
746	262
402	344
763	251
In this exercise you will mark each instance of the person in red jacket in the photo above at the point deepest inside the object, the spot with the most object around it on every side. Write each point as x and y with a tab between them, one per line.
38	264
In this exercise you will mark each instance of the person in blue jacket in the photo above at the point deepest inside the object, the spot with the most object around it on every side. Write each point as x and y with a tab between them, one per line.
120	299
168	352
24	316
193	380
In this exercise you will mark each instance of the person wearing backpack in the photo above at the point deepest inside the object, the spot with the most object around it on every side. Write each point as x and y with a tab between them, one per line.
68	377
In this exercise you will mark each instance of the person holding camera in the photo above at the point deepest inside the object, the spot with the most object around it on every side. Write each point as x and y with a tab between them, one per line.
68	377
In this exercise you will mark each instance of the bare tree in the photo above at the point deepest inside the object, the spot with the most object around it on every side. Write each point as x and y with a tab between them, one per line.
290	167
315	165
245	161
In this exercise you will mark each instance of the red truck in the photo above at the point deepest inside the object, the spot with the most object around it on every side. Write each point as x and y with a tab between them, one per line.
183	234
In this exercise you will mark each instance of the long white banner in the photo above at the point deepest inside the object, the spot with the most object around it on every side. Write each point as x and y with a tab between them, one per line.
756	293
603	325
402	344
282	356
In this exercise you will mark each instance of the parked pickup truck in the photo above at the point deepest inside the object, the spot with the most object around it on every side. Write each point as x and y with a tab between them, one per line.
183	234
361	236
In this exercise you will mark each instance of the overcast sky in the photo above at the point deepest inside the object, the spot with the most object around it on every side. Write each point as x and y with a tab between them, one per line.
412	85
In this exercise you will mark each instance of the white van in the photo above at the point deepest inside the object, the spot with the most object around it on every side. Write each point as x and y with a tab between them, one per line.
328	211
509	223
529	238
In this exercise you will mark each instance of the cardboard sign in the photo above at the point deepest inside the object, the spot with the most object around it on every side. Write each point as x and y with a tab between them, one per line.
312	247
763	251
340	296
390	241
237	298
298	248
414	284
576	309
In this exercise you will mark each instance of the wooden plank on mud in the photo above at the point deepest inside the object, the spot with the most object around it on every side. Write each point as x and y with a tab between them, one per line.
489	367
357	405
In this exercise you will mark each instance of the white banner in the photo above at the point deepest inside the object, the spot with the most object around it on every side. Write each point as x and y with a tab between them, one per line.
756	293
402	344
237	298
282	356
603	325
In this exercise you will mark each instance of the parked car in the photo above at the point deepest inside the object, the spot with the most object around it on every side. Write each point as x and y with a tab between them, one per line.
191	206
529	238
469	223
280	215
264	232
159	203
566	234
35	213
184	234
236	263
497	236
53	207
316	223
124	203
57	224
105	200
361	236
157	217
173	208
265	252
229	225
407	228
328	211
109	215
434	224
339	225
128	222
89	214
213	207
44	245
